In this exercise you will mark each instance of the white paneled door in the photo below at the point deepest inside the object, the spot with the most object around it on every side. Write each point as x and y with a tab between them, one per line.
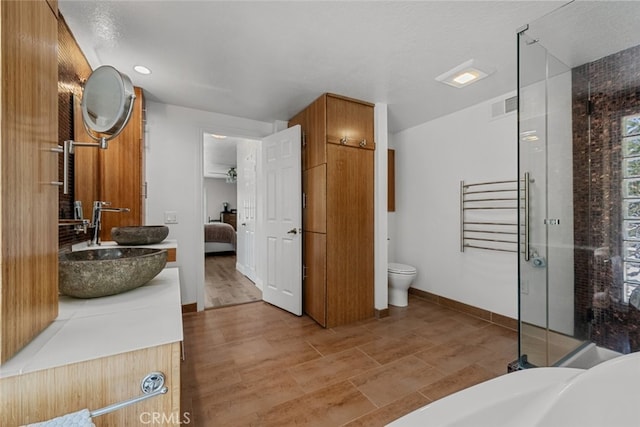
283	220
246	220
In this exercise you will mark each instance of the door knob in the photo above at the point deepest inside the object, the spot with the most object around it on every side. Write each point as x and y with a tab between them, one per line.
292	231
243	224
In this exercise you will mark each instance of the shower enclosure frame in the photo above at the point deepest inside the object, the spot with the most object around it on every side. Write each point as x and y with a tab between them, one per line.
581	255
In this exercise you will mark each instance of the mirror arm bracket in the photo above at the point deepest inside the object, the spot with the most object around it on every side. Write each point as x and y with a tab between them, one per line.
69	148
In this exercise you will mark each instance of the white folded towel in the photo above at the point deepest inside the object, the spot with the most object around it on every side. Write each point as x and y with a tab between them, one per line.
76	419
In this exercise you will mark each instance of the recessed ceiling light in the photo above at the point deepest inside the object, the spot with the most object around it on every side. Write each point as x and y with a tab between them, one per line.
218	136
464	74
465	77
529	135
142	69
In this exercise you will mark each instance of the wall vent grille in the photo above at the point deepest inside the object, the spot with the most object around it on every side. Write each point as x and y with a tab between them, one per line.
511	104
503	107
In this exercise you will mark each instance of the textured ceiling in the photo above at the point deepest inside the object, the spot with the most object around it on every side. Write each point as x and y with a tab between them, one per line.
267	60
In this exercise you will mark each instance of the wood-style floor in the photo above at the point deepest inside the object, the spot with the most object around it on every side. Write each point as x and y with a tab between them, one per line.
224	285
256	365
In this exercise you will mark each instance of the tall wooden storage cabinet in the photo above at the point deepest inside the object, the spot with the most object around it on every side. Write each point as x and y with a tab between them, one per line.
28	168
113	175
338	213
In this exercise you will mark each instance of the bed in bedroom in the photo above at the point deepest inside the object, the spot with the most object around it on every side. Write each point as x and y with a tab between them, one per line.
219	237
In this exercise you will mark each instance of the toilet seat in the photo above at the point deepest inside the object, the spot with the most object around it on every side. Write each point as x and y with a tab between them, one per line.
401	268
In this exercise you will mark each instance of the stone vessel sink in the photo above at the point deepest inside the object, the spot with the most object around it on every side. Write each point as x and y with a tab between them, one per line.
108	271
139	235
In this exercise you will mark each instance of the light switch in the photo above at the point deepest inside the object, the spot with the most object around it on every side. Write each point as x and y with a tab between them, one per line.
170	217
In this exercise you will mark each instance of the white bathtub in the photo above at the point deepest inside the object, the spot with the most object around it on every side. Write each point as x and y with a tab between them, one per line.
605	395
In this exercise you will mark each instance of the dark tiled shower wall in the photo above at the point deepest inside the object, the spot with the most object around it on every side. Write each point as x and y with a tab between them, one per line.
614	86
73	70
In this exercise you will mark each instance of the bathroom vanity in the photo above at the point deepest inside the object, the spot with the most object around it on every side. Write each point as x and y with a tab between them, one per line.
95	354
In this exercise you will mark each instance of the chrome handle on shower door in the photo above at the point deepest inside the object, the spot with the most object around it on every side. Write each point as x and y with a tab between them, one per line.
526	216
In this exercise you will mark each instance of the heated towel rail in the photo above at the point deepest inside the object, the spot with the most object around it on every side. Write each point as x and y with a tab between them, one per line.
489	215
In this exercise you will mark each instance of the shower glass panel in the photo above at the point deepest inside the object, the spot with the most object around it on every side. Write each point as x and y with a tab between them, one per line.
545	162
579	170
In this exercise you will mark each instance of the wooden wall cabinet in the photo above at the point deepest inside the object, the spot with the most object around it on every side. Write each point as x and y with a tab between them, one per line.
113	175
29	205
338	214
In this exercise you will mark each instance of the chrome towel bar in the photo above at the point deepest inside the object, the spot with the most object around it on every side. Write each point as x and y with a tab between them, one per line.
151	385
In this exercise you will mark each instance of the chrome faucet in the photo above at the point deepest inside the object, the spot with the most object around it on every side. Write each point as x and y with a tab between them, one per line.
98	208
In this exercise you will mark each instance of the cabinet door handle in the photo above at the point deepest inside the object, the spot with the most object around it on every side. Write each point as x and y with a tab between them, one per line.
243	224
292	231
363	143
57	149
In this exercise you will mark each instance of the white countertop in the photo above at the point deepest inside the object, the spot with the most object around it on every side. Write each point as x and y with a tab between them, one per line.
87	329
165	244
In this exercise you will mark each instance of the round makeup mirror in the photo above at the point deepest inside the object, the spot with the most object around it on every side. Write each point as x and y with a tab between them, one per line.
107	103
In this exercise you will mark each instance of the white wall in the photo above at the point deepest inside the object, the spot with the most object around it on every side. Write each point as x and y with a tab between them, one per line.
381	233
216	191
431	160
175	181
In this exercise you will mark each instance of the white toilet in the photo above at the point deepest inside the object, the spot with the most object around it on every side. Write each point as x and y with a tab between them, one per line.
400	278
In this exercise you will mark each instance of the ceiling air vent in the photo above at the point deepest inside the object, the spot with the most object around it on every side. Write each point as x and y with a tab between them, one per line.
503	107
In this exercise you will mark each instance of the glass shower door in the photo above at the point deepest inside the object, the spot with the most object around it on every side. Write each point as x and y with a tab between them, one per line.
545	164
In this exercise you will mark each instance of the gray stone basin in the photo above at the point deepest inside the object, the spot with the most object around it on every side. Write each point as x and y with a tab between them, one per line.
139	235
108	271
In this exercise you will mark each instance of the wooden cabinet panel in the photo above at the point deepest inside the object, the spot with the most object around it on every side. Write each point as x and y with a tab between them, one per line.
316	133
29	207
314	285
314	186
94	384
301	119
121	175
86	162
53	4
350	233
350	119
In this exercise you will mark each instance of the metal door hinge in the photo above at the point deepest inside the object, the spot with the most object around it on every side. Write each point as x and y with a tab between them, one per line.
304	139
304	200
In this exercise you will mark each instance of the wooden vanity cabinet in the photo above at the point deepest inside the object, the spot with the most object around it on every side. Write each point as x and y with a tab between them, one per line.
338	209
28	167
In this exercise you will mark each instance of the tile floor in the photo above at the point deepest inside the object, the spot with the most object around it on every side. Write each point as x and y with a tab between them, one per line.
256	365
224	285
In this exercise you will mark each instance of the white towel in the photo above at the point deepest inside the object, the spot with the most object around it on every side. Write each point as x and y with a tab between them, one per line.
76	419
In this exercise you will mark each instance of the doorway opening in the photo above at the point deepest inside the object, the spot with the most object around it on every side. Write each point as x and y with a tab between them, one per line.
229	194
